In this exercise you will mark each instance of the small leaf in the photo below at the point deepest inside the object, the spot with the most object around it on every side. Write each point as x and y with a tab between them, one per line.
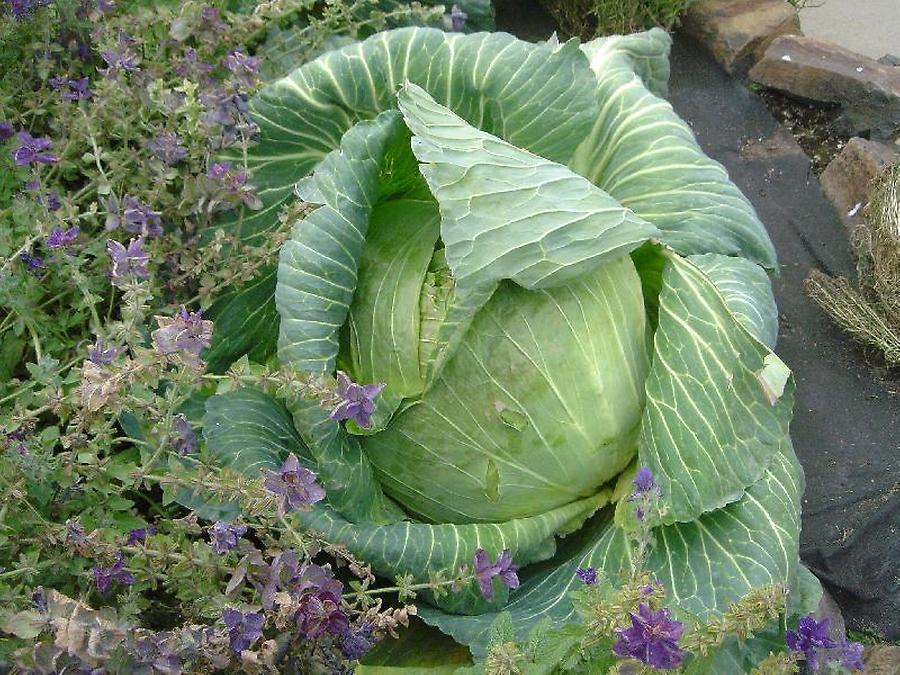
772	378
26	625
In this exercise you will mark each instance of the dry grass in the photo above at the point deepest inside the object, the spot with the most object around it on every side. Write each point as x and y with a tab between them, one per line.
587	19
870	312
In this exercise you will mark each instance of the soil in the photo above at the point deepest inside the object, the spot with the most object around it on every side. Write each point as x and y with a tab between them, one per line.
812	124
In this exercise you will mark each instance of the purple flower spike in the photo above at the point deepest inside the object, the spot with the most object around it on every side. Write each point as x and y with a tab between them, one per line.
458	19
32	263
357	400
7	131
187	333
652	639
297	485
810	637
60	238
119	61
485	572
223	537
101	355
31	150
139	534
244	68
319	602
105	577
78	90
187	441
167	147
127	262
851	655
243	629
588	576
356	644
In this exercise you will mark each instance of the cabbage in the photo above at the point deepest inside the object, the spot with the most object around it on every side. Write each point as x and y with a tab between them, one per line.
528	247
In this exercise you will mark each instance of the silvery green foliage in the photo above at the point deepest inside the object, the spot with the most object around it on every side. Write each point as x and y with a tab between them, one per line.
528	247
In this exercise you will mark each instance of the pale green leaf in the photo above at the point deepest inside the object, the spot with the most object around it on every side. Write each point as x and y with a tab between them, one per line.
709	431
644	155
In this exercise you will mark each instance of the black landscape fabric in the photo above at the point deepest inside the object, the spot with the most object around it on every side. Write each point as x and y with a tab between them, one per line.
846	427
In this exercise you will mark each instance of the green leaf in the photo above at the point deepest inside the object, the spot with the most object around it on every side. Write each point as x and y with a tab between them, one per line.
246	430
384	316
644	155
747	291
510	214
419	548
317	276
249	431
245	321
419	649
709	430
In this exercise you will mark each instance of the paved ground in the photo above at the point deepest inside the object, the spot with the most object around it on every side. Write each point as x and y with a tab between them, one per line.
870	27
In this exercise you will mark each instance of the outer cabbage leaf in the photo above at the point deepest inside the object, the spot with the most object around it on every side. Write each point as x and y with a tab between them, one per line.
747	292
709	429
645	156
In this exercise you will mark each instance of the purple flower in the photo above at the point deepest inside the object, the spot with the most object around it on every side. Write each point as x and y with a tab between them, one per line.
244	67
160	652
101	355
652	639
810	638
228	109
133	215
643	482
588	576
243	629
119	61
60	238
39	600
56	82
23	10
127	262
851	655
187	442
357	400
78	90
139	534
193	68
53	203
223	536
7	131
297	485
105	6
458	19
31	150
105	577
167	147
283	573
32	264
650	589
485	572
211	22
319	602
357	643
186	333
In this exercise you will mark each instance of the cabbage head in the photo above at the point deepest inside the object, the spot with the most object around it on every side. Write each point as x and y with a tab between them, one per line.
529	248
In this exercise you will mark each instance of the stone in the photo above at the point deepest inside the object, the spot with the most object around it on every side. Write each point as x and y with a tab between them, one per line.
889	60
868	91
881	659
737	32
848	179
